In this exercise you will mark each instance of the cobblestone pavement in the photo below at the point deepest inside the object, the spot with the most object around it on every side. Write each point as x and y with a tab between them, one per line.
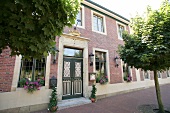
123	103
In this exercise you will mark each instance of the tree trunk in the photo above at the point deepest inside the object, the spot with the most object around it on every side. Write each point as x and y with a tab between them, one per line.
158	93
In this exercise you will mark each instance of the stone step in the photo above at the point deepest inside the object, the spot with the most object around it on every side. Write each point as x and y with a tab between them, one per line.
73	102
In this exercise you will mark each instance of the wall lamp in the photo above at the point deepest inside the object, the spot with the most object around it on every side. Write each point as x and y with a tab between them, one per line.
116	61
91	58
55	55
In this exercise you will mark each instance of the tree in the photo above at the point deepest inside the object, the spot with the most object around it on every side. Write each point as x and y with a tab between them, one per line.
149	45
29	27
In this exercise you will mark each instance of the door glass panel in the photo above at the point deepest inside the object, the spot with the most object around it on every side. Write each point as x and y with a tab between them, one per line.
77	69
66	69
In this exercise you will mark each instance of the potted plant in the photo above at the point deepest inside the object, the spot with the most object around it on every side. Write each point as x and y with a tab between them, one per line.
52	106
93	93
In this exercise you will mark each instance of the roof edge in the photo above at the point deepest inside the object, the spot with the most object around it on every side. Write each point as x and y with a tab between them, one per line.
107	10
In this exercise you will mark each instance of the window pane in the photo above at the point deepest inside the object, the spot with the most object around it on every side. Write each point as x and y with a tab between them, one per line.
121	29
100	62
39	72
26	70
95	22
98	23
73	52
146	74
167	72
79	17
159	74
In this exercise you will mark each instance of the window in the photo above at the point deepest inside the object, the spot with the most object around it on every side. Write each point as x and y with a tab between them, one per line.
146	74
33	69
168	74
126	72
98	24
159	74
73	52
100	61
121	28
79	17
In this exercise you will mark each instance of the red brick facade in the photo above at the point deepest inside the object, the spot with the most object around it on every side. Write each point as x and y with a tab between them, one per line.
108	42
6	70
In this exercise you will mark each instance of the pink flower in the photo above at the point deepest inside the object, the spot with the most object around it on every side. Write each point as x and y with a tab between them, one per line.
31	83
38	88
25	87
27	82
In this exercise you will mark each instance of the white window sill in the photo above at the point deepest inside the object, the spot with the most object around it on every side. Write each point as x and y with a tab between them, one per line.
81	27
103	33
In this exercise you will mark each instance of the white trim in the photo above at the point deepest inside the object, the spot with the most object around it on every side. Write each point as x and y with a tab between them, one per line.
104	22
106	12
76	42
117	24
82	18
107	61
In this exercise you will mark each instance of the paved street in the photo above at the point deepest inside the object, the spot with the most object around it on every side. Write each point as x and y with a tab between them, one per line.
123	103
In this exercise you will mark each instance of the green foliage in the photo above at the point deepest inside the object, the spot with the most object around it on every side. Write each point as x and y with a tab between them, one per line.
22	82
30	26
53	100
149	45
93	91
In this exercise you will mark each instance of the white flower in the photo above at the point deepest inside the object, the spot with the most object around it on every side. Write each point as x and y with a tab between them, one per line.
48	109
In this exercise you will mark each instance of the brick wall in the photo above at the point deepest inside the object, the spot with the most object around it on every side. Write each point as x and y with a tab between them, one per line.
108	42
7	64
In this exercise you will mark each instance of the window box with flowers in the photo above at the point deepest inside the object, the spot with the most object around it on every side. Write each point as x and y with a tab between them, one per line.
31	86
126	73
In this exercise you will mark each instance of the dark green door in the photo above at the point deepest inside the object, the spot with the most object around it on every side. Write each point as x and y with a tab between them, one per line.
72	77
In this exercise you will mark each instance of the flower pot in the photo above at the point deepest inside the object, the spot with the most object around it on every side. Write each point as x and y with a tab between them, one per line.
54	108
93	100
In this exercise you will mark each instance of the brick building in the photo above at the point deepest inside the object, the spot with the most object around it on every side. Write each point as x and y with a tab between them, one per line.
90	49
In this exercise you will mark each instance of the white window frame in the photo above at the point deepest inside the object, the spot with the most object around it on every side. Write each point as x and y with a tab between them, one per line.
117	24
107	61
82	18
104	22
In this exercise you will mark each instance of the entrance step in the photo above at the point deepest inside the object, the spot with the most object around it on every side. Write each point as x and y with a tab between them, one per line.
73	102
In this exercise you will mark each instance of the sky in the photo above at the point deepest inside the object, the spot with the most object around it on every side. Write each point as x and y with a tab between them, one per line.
128	8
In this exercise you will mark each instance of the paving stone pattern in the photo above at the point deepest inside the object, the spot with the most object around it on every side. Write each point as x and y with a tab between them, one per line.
123	103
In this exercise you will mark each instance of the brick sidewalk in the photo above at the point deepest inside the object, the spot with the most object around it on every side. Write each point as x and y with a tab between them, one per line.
122	103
